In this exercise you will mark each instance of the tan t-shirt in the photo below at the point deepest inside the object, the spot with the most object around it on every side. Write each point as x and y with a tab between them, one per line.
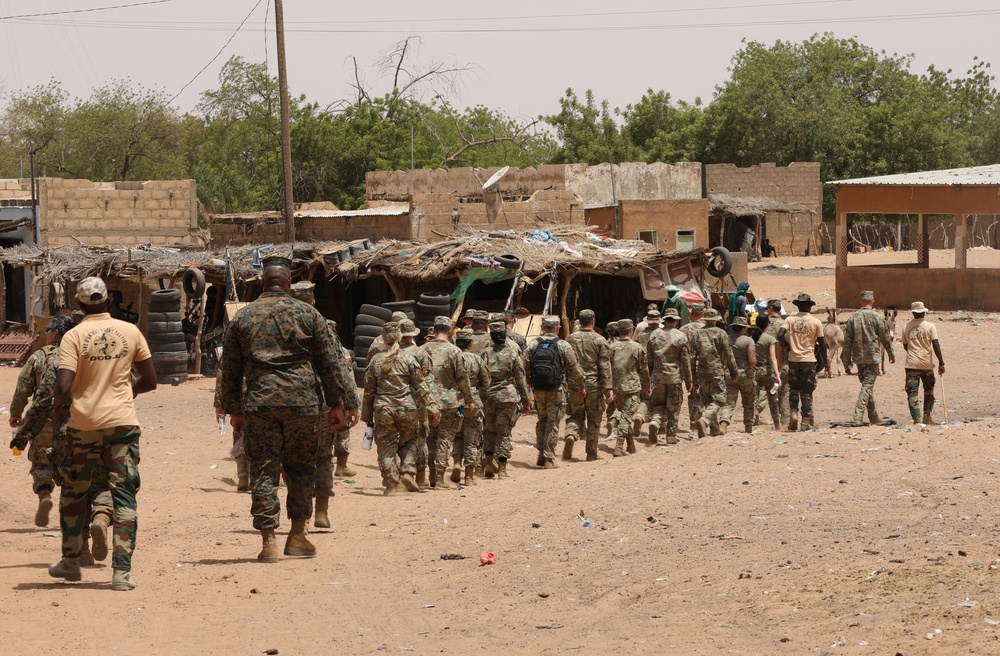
101	351
802	330
918	338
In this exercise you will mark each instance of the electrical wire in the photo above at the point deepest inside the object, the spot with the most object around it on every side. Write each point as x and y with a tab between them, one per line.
85	11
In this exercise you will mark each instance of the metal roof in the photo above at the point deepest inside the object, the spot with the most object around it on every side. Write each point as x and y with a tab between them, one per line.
973	175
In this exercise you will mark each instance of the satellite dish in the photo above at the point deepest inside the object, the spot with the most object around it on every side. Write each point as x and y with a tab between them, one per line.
495	178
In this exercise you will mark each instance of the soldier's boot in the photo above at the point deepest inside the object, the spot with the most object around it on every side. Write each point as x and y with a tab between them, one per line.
409	483
807	422
567	453
928	420
540	461
342	469
421	479
470	476
670	438
67	568
793	421
391	490
723	427
654	431
490	467
439	480
456	472
297	544
269	552
242	474
502	471
99	535
630	444
702	427
636	427
121	581
86	558
748	428
321	518
44	508
550	463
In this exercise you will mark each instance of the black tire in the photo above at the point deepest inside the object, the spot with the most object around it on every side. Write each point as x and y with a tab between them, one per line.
168	347
194	282
720	262
363	341
368	320
367	331
359	375
165	295
376	311
170	357
165	338
164	307
161	327
170	379
430	311
400	306
166	372
509	261
436	298
163	316
360	362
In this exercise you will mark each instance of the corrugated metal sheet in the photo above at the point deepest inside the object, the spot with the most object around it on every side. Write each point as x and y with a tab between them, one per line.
973	175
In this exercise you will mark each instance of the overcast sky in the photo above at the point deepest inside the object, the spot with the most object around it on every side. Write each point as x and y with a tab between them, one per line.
523	54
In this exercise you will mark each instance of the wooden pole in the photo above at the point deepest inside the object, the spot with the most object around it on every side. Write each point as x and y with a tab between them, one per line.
3	297
286	129
197	337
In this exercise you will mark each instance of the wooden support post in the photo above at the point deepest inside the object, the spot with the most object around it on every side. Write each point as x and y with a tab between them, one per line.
3	298
923	243
961	240
840	247
563	316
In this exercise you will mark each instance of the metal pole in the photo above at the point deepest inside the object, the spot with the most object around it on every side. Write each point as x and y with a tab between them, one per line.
35	232
286	129
412	165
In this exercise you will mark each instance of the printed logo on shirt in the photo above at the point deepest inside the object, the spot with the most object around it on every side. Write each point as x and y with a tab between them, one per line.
105	344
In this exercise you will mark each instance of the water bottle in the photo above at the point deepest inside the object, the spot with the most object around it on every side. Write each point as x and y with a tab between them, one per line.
16	451
222	425
774	390
366	443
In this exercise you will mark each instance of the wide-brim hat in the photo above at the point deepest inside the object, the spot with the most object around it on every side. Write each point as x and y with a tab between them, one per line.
711	314
918	307
739	321
803	299
408	329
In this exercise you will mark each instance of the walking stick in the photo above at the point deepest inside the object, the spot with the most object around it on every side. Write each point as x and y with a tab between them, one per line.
944	400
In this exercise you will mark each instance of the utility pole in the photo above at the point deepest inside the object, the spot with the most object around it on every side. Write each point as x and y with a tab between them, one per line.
286	128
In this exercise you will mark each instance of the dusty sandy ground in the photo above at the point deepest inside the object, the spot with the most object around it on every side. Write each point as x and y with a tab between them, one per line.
833	541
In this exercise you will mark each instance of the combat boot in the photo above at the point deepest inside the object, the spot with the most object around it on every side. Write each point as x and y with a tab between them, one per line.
297	544
86	558
620	447
702	427
269	552
670	438
793	421
490	466
456	472
67	568
567	453
421	480
502	469
470	476
549	463
807	422
44	507
928	420
654	430
391	490
636	427
409	483
723	427
342	469
439	481
121	581
99	536
242	474
321	518
748	428
630	444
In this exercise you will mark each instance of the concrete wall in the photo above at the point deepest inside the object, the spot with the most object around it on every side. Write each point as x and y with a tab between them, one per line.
461	182
14	191
939	289
666	217
634	181
434	215
114	214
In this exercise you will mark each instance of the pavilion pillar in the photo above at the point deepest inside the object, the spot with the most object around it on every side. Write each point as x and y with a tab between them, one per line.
840	247
961	240
923	243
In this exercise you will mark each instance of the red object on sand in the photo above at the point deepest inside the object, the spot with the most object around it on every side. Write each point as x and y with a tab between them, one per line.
486	558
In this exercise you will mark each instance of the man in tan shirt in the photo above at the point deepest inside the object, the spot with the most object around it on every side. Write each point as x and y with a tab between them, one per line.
94	386
802	335
920	340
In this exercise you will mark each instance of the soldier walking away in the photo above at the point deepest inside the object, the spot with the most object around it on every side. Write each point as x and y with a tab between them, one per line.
506	394
454	394
238	451
630	373
409	331
768	373
774	323
378	344
745	354
94	388
28	382
670	374
480	332
718	369
920	340
510	321
697	311
395	387
549	361
281	346
585	413
611	412
802	335
468	445
865	336
641	337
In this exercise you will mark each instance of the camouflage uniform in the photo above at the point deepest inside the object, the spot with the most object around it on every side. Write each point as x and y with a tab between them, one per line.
330	442
240	454
714	355
452	379
28	382
469	444
517	338
392	399
594	358
694	396
765	380
783	406
745	385
667	352
551	404
508	388
480	342
630	374
642	337
865	335
422	451
280	346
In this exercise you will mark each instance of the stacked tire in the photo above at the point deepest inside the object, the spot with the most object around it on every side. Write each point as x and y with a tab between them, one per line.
165	337
367	326
431	305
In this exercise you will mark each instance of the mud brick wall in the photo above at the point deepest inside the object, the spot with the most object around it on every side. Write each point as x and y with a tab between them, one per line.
435	216
666	217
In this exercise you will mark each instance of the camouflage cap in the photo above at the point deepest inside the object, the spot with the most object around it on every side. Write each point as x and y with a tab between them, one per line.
696	308
672	313
60	324
442	322
739	321
91	291
469	314
550	321
481	315
611	325
867	296
774	304
398	316
390	332
464	335
625	325
711	314
587	315
653	316
507	315
498	327
497	316
276	261
408	329
303	290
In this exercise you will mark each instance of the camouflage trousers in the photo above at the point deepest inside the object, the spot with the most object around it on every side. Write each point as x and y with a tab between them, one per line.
644	410
118	448
280	439
550	406
667	400
627	404
612	410
323	483
498	423
765	381
421	452
342	442
913	379
41	469
801	385
396	434
783	395
60	457
584	419
694	402
745	387
469	440
441	438
867	374
712	397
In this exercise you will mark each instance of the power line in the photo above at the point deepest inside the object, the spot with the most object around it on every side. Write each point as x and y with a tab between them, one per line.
85	11
218	54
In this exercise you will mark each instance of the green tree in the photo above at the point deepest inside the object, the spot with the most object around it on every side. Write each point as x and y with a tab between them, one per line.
588	131
662	131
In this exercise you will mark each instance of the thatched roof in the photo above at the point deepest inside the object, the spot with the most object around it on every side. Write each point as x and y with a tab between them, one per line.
726	205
